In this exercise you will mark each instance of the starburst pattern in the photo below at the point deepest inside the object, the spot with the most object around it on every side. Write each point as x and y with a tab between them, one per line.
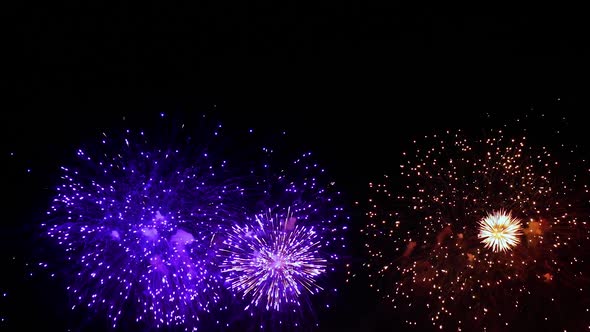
499	231
295	252
273	261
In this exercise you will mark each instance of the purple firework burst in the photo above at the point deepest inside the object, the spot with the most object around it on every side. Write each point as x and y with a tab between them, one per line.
279	262
273	261
138	224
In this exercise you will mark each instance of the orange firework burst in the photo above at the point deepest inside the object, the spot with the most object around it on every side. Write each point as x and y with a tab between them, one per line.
425	229
500	231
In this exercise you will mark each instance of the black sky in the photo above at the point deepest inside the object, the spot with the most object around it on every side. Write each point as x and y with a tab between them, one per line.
348	79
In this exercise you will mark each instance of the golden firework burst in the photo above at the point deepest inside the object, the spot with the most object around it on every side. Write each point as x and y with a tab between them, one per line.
500	231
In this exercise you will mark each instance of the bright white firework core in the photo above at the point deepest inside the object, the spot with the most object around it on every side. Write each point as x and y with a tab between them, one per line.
499	231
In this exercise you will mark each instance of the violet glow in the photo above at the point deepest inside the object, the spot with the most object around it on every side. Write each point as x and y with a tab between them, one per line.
138	225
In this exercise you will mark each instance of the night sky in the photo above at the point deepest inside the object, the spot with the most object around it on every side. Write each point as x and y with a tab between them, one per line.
352	81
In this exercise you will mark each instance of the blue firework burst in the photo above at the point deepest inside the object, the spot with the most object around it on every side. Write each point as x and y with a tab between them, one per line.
138	224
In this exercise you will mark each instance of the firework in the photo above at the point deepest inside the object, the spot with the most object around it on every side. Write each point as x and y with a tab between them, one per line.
273	261
438	246
138	223
499	231
284	266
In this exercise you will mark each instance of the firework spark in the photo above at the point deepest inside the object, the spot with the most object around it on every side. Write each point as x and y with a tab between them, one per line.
273	261
499	231
137	222
427	244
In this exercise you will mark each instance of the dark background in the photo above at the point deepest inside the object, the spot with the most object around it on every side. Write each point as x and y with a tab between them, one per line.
351	80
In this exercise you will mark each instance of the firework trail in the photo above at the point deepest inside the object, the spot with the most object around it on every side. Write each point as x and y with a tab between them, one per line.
138	220
486	233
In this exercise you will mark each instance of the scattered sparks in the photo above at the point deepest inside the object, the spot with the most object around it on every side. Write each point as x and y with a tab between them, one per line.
429	231
136	220
157	233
